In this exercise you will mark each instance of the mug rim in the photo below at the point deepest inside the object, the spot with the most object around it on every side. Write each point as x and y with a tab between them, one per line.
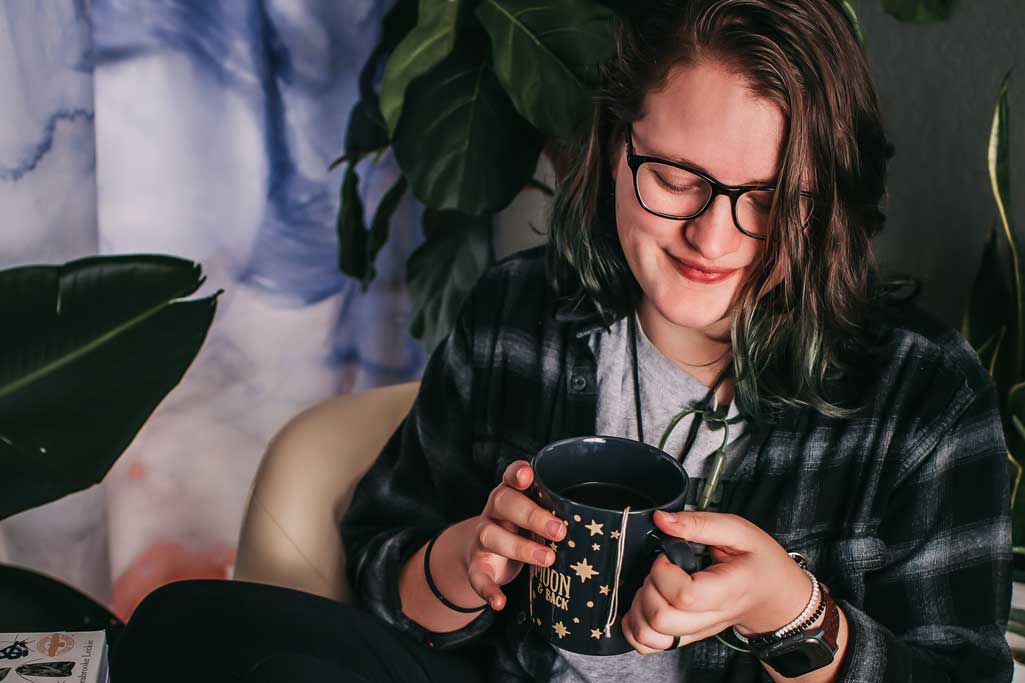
679	500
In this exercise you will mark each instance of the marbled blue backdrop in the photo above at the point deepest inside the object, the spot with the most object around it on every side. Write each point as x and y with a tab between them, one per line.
202	129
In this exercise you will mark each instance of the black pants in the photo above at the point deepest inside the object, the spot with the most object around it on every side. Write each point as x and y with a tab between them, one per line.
204	631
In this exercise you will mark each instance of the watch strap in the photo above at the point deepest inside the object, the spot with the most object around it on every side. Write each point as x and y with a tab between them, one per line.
831	624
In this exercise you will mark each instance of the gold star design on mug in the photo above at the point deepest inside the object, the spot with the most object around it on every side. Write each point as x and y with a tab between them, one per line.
604	590
596	634
595	528
583	570
595	546
614	534
561	630
553	546
576	620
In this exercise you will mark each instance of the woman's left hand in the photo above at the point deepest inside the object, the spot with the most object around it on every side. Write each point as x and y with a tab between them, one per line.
753	584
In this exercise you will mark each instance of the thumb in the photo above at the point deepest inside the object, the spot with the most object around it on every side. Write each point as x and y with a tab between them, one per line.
708	528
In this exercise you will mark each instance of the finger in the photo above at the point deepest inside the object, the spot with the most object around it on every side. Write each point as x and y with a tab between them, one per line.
717	529
627	626
510	505
482	580
642	637
665	619
518	475
496	539
699	592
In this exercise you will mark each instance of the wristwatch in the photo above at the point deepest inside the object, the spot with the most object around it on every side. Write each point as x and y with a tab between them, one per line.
805	651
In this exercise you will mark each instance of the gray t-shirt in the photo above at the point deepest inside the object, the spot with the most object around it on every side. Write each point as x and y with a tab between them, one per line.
666	389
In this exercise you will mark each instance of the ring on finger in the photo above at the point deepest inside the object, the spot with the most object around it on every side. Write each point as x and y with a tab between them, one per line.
676	643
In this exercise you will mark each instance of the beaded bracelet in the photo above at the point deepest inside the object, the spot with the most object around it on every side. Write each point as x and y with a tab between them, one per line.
812	611
434	588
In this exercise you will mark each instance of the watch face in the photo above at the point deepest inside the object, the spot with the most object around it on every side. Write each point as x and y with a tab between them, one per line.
797	658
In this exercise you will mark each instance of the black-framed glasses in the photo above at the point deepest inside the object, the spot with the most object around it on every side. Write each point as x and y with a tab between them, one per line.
673	190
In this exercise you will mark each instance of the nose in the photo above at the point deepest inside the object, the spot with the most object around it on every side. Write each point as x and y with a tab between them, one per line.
713	233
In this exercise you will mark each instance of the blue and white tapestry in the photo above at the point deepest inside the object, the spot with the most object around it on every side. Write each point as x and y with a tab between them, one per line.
203	130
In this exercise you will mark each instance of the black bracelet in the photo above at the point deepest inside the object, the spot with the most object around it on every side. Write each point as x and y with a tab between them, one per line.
434	588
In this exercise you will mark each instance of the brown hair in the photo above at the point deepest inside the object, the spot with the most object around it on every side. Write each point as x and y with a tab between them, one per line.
804	304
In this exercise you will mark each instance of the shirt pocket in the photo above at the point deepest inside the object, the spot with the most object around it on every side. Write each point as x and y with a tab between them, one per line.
843	562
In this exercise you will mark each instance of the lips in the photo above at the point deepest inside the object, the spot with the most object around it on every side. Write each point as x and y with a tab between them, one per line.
698	275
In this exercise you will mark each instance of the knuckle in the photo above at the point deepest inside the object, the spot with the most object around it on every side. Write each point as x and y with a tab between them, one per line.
661	622
501	497
648	638
684	598
484	534
536	519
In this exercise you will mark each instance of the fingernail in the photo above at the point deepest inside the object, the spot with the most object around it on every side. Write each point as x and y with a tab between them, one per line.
543	556
554	528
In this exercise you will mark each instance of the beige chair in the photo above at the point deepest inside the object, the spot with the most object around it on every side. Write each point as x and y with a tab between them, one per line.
290	535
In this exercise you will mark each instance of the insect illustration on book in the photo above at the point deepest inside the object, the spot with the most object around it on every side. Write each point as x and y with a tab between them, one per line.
43	669
14	649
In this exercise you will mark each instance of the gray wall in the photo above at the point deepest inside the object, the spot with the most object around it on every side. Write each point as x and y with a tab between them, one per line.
937	86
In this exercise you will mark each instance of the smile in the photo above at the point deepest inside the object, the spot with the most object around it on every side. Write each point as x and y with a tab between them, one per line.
701	276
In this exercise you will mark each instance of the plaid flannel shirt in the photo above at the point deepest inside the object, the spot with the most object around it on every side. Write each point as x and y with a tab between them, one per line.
902	511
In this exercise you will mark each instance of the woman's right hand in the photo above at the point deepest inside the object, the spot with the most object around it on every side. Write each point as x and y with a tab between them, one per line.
496	552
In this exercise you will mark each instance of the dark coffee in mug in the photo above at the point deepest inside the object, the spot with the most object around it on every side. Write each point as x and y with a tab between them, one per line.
607	494
606	489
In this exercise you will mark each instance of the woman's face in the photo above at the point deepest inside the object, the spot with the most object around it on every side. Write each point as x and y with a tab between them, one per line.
704	117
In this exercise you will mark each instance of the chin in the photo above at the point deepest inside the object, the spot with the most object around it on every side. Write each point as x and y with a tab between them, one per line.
685	309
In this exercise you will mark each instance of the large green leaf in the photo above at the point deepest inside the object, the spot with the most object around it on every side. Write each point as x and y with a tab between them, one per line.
90	348
546	53
460	141
443	270
423	48
920	11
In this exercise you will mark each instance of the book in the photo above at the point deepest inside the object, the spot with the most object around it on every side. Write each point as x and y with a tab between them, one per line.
59	656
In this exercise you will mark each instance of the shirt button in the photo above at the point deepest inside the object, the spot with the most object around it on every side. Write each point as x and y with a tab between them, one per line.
578	383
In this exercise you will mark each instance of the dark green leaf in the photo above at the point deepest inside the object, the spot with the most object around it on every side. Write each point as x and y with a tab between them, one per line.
34	602
459	140
90	350
920	11
352	229
443	270
422	49
365	133
366	130
379	226
986	316
546	53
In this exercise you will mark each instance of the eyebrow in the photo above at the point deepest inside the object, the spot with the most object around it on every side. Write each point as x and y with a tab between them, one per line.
693	164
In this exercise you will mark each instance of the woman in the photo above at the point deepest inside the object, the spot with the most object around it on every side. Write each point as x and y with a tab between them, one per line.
710	242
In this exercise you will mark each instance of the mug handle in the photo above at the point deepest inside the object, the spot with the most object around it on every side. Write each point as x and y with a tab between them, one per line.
677	550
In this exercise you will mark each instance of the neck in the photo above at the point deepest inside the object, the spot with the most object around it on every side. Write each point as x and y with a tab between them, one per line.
702	353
